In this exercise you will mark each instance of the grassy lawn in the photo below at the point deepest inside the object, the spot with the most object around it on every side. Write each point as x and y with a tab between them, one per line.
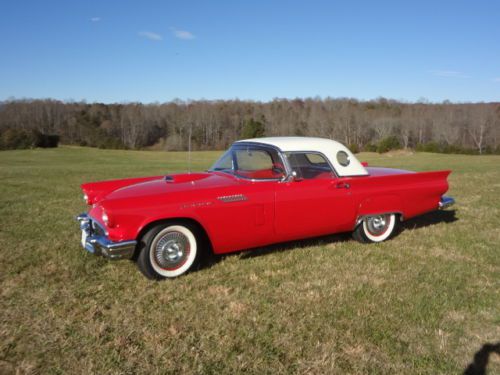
423	302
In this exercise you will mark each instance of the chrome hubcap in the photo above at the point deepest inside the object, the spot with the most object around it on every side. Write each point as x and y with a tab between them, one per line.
377	224
171	250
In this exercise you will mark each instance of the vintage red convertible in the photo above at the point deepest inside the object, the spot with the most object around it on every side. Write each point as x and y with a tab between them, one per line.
261	191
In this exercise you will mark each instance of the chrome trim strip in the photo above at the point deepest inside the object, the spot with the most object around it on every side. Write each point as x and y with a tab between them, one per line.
102	245
446	202
232	198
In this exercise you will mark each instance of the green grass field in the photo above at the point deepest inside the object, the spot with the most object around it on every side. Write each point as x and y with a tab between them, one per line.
423	302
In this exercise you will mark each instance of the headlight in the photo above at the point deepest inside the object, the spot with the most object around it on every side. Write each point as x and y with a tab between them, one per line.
105	218
86	198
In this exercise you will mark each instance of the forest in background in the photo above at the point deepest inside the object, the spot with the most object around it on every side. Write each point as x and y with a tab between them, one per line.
377	125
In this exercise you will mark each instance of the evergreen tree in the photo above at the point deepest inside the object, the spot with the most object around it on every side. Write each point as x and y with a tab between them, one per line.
253	129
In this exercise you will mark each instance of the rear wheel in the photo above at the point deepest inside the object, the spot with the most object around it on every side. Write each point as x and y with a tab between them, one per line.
169	250
375	228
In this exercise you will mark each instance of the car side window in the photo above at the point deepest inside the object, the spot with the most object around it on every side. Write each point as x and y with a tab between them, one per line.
253	160
309	165
258	163
225	162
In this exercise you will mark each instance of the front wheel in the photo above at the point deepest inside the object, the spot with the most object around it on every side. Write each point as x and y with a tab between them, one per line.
168	251
375	228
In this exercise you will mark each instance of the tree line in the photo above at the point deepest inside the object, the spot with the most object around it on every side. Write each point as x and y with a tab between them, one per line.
380	124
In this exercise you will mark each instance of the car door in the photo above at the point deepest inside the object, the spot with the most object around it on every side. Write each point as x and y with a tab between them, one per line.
314	202
242	214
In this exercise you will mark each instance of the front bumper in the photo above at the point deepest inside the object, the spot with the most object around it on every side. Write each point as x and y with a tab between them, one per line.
96	241
446	202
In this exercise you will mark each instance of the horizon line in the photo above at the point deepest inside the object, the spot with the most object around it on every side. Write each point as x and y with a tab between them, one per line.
421	100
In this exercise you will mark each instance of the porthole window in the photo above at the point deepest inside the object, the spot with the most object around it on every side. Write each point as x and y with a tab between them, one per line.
343	158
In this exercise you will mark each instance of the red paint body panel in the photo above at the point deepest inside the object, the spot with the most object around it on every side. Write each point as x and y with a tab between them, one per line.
238	213
97	190
311	208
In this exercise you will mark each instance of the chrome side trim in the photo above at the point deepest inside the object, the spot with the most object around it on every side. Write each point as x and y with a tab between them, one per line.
232	198
100	244
446	202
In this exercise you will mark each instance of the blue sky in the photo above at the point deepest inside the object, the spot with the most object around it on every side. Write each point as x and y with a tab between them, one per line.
155	51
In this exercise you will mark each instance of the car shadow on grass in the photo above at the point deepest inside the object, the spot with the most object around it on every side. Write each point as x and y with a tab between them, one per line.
431	218
297	244
279	247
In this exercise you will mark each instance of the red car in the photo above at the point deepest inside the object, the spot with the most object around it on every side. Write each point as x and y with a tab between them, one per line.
261	191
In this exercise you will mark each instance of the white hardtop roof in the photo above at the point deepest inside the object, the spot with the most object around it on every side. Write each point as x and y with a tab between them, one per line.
329	148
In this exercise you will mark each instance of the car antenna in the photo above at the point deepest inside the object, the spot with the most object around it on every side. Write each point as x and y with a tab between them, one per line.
189	148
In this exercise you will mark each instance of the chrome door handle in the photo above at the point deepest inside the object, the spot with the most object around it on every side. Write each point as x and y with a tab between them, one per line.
342	185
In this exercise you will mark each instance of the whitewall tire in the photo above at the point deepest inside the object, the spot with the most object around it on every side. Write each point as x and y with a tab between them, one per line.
168	251
375	228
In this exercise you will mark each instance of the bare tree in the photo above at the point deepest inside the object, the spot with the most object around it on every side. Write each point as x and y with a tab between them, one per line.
215	124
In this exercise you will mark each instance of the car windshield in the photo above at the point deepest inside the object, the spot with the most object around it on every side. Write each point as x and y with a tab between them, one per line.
252	162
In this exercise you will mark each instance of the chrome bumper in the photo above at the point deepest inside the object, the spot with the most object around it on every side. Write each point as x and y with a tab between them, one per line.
95	240
446	202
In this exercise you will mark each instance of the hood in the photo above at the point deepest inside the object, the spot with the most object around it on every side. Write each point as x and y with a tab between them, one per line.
176	183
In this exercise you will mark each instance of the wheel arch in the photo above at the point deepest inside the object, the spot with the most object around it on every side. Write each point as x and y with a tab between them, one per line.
380	205
177	220
360	218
